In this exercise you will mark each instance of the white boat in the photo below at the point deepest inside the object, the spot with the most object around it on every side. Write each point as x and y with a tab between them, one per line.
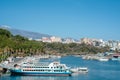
79	70
41	69
103	59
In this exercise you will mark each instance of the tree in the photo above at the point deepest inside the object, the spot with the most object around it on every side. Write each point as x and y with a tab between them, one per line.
5	33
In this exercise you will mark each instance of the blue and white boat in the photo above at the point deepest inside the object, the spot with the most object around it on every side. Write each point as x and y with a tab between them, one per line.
41	69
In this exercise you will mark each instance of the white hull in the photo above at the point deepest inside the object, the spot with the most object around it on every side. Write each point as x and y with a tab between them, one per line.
103	59
79	70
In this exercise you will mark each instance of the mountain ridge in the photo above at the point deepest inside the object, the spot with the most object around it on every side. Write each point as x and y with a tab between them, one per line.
24	33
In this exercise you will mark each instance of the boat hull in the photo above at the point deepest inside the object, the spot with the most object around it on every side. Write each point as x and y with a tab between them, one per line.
116	59
38	73
103	59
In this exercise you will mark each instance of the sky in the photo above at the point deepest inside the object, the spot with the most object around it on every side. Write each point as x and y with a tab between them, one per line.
64	18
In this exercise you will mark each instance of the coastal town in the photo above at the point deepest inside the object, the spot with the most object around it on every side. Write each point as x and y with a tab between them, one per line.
113	44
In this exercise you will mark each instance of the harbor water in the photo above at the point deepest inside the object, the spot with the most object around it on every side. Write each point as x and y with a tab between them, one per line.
109	70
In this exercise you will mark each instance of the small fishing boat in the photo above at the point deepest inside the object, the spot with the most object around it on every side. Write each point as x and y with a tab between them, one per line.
79	70
103	59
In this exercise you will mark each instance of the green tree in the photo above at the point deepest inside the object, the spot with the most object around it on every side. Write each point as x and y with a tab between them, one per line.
5	33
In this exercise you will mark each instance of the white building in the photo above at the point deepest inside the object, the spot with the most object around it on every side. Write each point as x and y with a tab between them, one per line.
113	44
69	40
30	39
38	40
55	39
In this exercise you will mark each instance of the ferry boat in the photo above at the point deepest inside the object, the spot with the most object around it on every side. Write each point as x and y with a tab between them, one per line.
41	69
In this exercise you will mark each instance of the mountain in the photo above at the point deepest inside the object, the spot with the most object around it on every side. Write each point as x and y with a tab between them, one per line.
28	34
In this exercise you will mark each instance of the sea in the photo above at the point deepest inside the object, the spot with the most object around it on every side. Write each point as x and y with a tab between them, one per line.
109	70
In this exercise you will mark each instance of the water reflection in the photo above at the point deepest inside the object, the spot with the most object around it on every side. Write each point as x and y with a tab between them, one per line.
38	78
79	74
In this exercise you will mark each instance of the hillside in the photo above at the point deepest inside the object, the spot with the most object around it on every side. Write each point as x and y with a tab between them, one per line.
27	34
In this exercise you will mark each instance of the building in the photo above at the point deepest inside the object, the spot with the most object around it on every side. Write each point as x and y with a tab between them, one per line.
55	39
86	41
69	40
46	39
114	45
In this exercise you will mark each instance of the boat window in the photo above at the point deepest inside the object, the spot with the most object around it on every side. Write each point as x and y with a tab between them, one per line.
49	70
115	56
61	67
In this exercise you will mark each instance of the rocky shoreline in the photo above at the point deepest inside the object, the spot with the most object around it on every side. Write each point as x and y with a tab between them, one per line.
1	71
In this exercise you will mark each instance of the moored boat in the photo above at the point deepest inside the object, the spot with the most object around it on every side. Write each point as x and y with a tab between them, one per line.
41	69
79	70
103	59
116	57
